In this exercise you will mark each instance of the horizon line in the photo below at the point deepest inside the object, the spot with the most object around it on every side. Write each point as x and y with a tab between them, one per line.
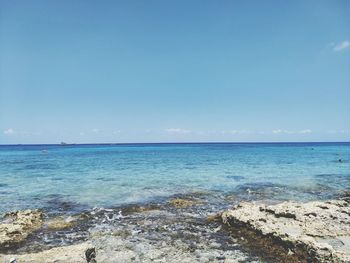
200	142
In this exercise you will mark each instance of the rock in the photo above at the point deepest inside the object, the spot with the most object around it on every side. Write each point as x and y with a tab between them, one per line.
139	208
308	232
16	226
214	218
73	253
346	195
90	255
182	203
60	223
170	236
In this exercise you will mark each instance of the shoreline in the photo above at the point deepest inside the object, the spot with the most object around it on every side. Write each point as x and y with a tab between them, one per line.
184	227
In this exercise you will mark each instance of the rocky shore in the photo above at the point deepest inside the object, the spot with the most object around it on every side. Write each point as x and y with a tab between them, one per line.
303	232
187	230
17	225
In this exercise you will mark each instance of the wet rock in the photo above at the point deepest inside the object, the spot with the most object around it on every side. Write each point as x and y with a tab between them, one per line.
308	232
90	255
17	225
182	203
140	208
165	234
60	223
214	217
346	195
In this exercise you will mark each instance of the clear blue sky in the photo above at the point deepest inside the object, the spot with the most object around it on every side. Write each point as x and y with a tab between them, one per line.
152	71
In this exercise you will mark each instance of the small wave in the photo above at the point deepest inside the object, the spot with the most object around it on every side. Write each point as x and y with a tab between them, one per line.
235	177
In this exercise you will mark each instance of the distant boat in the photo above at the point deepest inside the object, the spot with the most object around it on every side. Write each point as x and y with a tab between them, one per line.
66	144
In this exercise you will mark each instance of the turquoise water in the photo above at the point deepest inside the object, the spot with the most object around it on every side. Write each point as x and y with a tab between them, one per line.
108	175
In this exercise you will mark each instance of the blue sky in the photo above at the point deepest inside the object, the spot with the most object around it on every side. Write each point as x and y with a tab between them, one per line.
156	71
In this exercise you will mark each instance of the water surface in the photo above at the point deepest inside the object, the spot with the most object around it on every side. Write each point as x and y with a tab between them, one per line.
87	176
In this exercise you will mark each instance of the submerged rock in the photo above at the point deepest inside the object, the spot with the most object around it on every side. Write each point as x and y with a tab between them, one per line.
306	232
17	225
214	217
182	203
60	223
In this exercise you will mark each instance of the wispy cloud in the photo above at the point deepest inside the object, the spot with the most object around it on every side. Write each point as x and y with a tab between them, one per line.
95	130
305	131
234	132
341	46
280	131
338	131
177	131
9	131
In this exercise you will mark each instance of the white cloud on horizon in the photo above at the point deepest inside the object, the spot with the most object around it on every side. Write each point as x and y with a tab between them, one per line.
9	131
234	132
279	131
341	46
237	132
305	131
177	131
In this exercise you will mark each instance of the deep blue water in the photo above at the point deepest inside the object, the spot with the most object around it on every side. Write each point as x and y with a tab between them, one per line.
35	176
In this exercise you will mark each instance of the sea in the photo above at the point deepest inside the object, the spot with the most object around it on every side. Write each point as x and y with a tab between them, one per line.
149	198
108	175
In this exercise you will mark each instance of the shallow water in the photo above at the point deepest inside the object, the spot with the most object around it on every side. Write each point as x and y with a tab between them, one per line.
87	176
151	231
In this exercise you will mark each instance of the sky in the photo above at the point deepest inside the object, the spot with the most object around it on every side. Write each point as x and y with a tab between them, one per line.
174	71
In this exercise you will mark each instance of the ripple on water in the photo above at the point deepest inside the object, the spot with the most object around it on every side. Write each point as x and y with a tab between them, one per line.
259	190
106	179
235	177
333	176
58	204
332	182
41	166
